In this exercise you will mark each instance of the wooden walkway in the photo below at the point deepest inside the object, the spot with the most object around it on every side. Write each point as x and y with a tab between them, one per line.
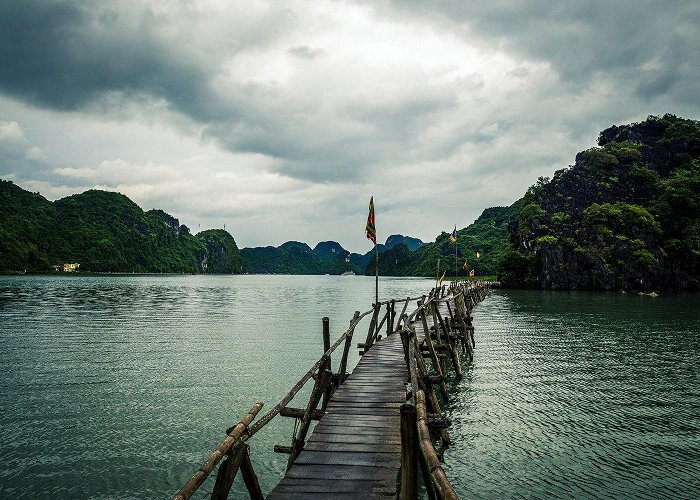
355	449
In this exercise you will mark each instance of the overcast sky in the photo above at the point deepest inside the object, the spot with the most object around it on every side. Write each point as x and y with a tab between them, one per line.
281	118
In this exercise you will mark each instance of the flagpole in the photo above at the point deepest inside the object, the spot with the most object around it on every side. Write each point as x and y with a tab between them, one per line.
371	232
376	274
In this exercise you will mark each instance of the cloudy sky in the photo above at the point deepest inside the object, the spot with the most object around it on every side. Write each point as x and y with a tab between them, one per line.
281	118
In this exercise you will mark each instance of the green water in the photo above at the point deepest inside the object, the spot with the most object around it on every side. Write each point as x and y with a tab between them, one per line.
119	387
580	395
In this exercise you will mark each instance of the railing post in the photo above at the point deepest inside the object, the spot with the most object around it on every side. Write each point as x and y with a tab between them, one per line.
409	453
322	379
392	315
327	366
227	473
371	332
249	477
346	349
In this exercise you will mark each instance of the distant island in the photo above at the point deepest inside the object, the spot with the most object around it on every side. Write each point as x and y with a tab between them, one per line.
625	216
103	231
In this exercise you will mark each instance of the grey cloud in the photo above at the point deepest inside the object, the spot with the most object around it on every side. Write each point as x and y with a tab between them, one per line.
581	39
304	52
63	55
68	56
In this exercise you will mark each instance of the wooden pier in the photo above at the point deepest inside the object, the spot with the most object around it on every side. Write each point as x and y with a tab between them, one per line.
376	426
355	450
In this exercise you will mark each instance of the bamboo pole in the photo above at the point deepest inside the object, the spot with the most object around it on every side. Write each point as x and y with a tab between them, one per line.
370	331
392	315
456	365
401	316
342	369
432	306
433	355
422	372
300	439
437	474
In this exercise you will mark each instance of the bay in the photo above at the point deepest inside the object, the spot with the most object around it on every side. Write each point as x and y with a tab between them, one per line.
579	395
119	386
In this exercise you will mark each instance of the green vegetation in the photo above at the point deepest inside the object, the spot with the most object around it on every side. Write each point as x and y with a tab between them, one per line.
104	232
328	257
626	215
488	235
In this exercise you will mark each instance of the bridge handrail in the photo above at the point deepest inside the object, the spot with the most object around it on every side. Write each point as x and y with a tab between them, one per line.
416	432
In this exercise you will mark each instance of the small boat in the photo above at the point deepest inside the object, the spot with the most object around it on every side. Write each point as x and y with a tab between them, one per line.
348	273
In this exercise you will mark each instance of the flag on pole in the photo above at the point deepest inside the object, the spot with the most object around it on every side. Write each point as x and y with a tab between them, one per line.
471	273
453	236
442	278
465	265
370	229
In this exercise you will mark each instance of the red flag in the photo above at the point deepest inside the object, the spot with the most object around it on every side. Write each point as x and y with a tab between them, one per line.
369	229
471	273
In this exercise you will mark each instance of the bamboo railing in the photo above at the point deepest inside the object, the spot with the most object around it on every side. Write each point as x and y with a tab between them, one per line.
420	417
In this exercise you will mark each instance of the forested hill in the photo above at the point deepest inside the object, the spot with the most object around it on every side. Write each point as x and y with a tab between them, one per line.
626	215
327	257
104	232
487	236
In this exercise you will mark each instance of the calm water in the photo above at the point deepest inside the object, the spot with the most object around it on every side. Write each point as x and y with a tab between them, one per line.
118	387
580	395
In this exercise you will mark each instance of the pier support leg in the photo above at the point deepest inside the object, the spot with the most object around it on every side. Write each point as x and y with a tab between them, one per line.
227	473
409	453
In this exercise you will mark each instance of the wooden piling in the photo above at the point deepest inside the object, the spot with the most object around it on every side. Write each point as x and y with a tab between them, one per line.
409	453
233	435
326	347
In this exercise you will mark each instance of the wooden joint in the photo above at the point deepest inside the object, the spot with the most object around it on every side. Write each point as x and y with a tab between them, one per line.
433	379
299	413
436	422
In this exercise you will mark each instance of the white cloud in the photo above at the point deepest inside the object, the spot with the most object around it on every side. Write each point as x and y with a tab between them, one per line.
11	132
34	153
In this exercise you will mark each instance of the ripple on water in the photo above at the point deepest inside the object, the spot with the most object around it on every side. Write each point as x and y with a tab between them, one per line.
570	395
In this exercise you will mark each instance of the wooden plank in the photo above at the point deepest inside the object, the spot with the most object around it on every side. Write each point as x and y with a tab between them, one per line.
388	427
349	472
352	438
394	447
347	458
292	485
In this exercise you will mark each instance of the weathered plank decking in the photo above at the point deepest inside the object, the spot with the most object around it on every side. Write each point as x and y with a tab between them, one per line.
355	450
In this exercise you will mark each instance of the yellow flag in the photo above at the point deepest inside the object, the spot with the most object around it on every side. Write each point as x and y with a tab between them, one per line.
478	255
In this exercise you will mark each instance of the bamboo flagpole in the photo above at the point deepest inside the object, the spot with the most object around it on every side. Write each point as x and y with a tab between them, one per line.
371	232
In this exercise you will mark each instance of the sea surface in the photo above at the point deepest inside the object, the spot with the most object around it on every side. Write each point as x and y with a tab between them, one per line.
120	386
